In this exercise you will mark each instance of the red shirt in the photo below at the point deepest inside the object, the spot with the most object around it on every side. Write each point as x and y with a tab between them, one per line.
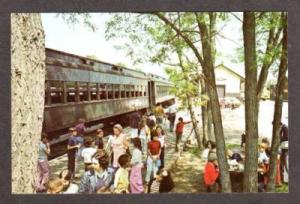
211	173
179	127
154	147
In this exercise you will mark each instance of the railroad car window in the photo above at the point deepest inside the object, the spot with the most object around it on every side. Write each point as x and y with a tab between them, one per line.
141	90
93	91
145	90
56	91
127	87
47	93
83	91
137	88
103	92
123	92
71	91
117	90
110	91
132	89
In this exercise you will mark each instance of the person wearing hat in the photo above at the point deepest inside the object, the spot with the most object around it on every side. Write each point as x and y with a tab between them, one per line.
72	147
119	144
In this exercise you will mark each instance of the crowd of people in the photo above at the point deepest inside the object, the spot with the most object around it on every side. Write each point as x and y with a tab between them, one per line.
236	159
112	166
115	167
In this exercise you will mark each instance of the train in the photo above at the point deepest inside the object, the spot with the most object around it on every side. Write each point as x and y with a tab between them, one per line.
79	87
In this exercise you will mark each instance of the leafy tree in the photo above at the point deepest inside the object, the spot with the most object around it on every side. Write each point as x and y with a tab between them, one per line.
156	31
255	27
282	79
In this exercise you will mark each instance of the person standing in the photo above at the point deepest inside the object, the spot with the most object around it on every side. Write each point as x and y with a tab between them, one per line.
144	135
72	147
119	144
135	119
284	148
162	139
99	139
136	181
87	153
172	116
121	181
179	130
153	159
43	166
159	113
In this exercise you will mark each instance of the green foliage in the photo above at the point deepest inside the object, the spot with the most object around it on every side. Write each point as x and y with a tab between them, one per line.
73	19
282	189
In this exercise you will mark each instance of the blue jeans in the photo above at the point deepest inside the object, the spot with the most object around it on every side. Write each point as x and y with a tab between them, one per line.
152	168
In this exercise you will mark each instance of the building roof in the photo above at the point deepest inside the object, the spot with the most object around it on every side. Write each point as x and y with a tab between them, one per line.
230	70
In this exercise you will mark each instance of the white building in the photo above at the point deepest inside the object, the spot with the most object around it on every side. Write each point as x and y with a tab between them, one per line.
229	83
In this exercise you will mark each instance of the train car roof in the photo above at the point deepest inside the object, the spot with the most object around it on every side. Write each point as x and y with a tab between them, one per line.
124	70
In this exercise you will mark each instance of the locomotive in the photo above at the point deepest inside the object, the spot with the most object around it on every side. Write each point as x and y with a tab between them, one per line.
79	87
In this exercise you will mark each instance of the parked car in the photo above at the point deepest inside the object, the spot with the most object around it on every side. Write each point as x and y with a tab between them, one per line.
232	102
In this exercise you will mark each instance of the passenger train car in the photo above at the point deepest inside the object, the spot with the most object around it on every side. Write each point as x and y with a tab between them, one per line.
78	87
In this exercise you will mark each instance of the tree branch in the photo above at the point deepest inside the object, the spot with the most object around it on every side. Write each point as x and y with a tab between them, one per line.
184	37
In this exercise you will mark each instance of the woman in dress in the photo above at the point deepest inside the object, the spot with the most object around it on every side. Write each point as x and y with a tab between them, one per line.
119	144
136	181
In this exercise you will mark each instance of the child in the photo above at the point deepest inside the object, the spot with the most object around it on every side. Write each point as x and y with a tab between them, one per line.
68	186
161	138
88	152
163	182
211	173
179	130
121	182
72	147
136	181
208	147
166	183
144	134
43	166
99	139
262	155
153	161
98	178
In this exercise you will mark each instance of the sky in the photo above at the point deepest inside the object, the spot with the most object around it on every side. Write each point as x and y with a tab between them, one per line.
80	40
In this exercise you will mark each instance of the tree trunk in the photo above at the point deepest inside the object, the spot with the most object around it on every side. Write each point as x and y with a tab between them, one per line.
251	103
194	121
203	113
209	123
27	86
278	110
209	73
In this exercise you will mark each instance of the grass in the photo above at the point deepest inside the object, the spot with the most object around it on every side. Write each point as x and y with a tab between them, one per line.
282	189
194	150
232	146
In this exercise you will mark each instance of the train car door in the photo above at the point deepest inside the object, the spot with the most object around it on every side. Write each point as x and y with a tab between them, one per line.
151	91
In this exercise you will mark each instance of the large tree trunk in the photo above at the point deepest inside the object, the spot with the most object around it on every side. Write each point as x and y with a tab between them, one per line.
27	86
209	123
278	110
209	72
204	113
251	103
